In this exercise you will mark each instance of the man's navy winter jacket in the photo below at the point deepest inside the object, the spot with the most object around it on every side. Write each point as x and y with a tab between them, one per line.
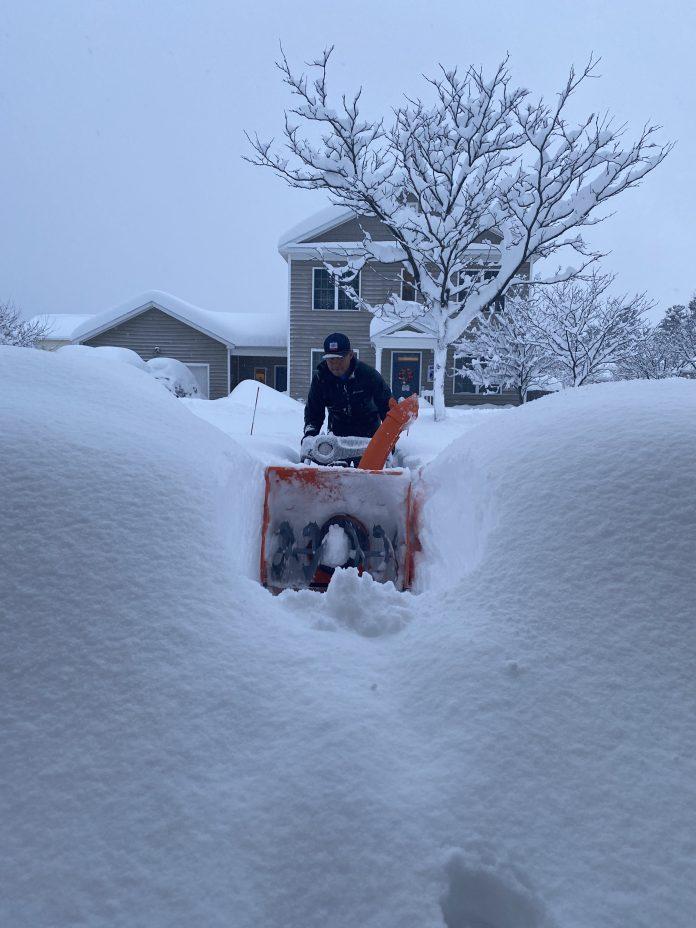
357	403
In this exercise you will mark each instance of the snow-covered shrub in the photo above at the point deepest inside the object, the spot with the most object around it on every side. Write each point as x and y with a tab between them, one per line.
174	375
17	331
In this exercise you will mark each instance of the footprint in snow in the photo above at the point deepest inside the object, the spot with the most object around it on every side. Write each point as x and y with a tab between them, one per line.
482	892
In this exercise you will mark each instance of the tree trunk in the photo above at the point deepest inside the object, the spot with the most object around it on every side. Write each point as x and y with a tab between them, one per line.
440	363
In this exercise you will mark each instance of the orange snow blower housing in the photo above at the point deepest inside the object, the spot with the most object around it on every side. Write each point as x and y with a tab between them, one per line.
316	519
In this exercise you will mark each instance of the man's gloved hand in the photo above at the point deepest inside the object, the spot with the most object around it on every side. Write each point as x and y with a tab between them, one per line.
306	446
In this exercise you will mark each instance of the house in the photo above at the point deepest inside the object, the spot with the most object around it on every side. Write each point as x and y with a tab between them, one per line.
402	351
283	349
219	348
59	328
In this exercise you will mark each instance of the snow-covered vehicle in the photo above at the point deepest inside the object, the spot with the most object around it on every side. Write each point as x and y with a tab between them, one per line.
318	517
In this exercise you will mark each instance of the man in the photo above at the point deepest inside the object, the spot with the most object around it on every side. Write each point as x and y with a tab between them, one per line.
354	393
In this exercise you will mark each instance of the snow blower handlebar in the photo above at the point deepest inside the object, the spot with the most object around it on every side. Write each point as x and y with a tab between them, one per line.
399	416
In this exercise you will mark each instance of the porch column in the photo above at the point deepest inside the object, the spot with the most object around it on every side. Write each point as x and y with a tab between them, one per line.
378	357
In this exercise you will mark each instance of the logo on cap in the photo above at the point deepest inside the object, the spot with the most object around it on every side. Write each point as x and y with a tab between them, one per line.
333	346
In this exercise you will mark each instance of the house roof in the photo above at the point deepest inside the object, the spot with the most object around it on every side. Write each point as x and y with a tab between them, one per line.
236	330
318	222
60	326
388	324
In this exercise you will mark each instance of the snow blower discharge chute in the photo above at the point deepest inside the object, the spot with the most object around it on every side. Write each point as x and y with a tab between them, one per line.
317	518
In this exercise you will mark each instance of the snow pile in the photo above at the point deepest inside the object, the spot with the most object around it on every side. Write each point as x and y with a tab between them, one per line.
174	375
425	438
104	353
269	400
336	547
556	669
278	420
514	748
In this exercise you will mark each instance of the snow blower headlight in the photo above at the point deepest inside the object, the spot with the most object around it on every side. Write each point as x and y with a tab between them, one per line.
324	448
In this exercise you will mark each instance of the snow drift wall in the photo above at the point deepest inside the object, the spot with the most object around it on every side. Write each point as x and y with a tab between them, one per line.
555	677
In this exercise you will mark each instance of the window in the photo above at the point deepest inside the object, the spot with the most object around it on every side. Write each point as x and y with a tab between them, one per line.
463	384
430	376
280	377
317	356
408	286
326	292
499	302
260	374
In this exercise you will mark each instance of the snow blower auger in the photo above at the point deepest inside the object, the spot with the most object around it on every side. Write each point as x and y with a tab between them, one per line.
317	518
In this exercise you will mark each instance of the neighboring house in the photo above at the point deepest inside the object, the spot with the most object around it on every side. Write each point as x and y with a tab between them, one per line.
402	351
59	329
219	348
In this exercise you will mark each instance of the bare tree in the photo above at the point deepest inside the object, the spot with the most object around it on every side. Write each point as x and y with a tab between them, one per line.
500	349
583	330
677	333
481	179
652	357
17	331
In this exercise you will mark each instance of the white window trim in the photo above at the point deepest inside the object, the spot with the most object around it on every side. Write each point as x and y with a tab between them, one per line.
336	289
420	367
190	364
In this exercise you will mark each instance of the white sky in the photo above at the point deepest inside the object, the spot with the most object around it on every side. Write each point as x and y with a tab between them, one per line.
122	132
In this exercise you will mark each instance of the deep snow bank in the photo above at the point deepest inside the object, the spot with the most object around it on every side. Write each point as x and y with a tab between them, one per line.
514	748
558	657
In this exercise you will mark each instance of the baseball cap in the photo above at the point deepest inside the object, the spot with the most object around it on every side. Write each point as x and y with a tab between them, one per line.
336	345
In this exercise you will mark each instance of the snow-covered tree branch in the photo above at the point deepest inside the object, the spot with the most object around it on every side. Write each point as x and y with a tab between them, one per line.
500	349
583	330
17	331
474	185
678	330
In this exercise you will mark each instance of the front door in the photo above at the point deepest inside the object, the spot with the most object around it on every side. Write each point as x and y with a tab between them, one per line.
405	373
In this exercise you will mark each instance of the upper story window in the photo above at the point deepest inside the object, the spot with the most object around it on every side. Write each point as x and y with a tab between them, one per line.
408	286
327	294
498	304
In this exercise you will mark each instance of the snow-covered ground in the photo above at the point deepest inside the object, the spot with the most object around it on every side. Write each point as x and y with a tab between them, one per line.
511	747
278	424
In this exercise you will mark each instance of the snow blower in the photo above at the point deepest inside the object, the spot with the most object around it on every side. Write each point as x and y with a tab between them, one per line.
326	515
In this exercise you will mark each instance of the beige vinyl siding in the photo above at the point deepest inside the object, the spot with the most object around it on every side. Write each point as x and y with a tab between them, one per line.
153	328
309	327
354	231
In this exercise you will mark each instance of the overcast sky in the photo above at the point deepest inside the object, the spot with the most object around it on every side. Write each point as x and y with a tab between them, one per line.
122	132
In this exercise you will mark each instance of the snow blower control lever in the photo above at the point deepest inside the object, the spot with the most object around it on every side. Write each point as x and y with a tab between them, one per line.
316	518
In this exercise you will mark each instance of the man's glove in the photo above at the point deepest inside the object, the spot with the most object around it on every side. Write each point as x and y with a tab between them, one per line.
306	446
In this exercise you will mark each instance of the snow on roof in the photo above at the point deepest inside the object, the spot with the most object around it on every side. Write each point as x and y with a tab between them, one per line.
60	326
315	224
238	330
388	324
